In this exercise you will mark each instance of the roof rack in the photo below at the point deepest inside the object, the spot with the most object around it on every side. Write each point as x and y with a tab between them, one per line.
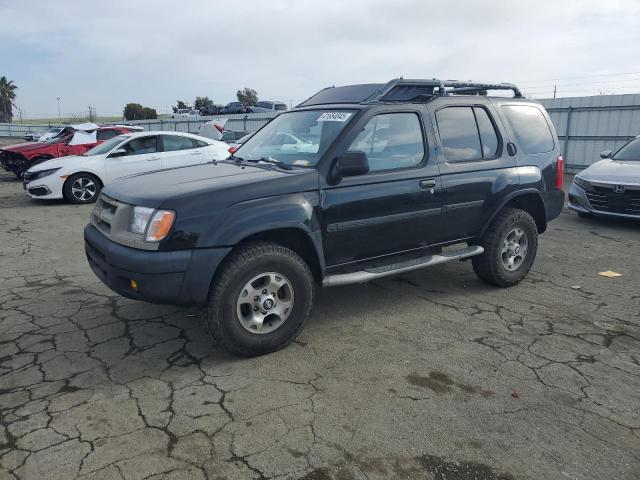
403	90
400	89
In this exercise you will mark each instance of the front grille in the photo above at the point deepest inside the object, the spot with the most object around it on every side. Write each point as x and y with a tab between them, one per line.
104	213
605	199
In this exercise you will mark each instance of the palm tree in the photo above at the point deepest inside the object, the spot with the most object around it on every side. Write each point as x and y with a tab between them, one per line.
7	96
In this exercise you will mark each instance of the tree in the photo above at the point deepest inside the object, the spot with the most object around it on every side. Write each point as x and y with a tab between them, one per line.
135	111
202	102
149	113
7	96
248	96
179	105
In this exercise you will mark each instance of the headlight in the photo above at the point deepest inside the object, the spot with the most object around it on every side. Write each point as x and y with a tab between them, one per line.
581	182
31	176
153	224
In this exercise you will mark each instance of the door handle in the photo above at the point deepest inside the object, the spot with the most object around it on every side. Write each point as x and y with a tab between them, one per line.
196	153
153	159
427	183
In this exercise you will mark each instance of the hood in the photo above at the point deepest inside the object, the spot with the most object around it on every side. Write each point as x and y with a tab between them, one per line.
69	161
213	184
24	147
613	171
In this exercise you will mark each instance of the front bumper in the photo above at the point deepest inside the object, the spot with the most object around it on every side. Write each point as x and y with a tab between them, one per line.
179	277
578	202
48	188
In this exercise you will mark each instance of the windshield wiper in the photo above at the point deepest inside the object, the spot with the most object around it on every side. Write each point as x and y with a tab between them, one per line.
272	161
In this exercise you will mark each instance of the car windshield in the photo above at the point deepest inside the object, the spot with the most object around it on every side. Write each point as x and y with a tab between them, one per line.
296	138
105	147
630	152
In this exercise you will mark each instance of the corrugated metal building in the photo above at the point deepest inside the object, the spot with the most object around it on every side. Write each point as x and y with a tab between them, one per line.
588	125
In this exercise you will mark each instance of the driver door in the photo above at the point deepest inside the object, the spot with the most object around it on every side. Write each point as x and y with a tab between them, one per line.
142	156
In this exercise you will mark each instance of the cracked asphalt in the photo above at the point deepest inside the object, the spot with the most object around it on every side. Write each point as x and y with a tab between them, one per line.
432	375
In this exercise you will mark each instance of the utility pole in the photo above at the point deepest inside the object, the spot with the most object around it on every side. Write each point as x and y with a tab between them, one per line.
90	114
59	118
20	112
554	91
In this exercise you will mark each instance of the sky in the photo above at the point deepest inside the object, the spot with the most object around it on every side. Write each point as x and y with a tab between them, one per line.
154	52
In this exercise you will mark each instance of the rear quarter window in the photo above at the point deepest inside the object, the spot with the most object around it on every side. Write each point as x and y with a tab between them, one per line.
530	128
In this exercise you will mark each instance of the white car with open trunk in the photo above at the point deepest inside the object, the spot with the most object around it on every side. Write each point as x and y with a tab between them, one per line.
79	179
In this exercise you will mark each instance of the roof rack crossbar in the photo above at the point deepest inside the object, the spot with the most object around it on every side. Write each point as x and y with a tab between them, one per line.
441	86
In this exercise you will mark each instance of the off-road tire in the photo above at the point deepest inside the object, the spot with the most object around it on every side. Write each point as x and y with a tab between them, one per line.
247	261
68	185
489	266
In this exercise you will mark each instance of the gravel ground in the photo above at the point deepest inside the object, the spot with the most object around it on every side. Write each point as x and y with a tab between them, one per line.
431	375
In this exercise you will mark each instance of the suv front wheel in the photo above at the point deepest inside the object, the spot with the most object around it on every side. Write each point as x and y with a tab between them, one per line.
510	246
260	300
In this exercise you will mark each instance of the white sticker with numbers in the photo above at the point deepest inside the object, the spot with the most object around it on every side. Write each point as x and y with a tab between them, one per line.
334	117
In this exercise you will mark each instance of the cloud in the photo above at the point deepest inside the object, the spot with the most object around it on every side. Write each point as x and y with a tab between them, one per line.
154	52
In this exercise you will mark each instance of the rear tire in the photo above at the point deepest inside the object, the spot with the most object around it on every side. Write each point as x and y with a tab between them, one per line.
82	188
510	246
235	313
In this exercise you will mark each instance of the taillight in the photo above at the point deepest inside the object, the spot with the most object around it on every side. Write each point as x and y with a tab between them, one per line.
559	172
232	150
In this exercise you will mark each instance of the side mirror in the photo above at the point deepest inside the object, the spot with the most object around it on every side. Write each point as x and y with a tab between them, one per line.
606	154
118	152
350	164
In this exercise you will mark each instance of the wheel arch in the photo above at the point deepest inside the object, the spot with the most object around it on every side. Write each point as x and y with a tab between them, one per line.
306	244
528	200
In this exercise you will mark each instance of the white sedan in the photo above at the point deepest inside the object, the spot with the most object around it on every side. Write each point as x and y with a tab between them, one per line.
79	179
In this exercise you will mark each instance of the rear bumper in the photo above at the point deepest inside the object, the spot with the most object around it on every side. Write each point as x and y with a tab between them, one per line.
553	203
180	277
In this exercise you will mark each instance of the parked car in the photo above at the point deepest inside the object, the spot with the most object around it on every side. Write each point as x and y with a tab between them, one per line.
79	179
212	110
185	113
34	135
235	107
610	187
51	133
401	176
72	140
268	106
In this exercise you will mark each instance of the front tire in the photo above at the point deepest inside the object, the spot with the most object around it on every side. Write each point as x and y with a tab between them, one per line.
82	188
510	246
260	300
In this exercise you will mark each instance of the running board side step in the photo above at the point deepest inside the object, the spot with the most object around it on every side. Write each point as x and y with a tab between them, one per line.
401	267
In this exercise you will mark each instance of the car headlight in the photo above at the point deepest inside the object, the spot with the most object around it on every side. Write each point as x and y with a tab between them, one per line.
581	182
155	225
42	173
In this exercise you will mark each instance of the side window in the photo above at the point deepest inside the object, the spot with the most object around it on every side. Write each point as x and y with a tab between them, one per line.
530	128
140	146
107	134
391	141
488	135
459	134
174	143
199	143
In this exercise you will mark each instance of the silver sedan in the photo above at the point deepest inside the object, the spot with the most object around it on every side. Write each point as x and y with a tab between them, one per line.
611	186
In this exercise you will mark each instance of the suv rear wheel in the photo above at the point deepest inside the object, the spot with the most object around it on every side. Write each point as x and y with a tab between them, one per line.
510	246
260	300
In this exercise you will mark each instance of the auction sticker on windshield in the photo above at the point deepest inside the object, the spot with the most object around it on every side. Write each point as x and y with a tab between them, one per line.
334	117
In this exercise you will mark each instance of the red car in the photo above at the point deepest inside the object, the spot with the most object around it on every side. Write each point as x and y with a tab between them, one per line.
19	158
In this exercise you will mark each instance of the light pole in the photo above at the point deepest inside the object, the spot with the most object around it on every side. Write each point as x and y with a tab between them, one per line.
59	118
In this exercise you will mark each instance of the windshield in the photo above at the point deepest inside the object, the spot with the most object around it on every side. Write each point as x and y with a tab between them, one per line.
296	138
105	147
629	152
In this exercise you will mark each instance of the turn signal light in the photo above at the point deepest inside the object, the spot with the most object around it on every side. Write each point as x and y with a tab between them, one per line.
160	225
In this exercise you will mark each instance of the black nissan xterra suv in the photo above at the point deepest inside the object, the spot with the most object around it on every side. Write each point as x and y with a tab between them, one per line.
356	183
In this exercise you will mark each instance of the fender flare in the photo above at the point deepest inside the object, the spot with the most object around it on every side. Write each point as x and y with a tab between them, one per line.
512	196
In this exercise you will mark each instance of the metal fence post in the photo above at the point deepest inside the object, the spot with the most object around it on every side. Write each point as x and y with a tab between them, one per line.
565	147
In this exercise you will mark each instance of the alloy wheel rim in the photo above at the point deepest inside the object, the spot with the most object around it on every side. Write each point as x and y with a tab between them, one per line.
265	303
83	188
514	249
